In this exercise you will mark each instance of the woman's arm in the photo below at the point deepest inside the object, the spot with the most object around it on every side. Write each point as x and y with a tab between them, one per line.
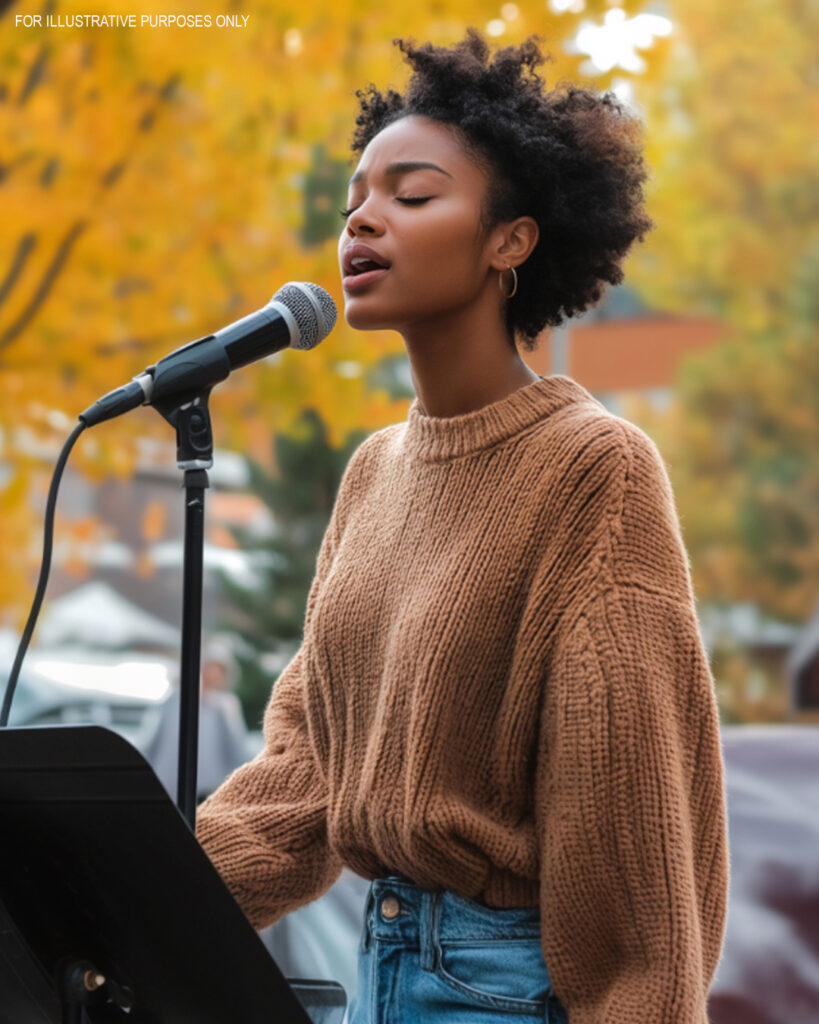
264	828
630	794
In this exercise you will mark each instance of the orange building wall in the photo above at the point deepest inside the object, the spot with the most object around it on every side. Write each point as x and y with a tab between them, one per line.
628	354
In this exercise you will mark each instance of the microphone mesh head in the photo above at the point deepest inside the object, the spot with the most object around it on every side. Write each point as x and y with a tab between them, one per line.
313	310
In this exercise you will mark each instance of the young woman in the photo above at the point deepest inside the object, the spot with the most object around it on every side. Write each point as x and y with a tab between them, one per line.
502	712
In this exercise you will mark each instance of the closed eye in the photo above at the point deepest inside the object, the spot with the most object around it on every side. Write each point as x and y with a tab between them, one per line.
411	200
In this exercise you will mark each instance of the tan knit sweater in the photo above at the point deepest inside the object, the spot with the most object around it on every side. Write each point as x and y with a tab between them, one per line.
502	690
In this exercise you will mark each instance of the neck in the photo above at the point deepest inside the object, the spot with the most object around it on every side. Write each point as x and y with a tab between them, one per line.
464	361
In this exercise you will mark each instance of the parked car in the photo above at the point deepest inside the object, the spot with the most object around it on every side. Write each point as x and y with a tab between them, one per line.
769	971
54	689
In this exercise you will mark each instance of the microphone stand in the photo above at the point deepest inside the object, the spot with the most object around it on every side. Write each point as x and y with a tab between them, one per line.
194	456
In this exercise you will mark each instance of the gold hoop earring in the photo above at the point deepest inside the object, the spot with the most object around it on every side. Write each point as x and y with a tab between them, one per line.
500	281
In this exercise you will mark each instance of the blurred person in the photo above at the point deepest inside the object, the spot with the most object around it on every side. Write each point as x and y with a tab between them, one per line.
222	730
501	714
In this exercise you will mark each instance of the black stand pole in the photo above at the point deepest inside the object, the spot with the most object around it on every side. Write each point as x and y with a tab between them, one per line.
194	455
196	480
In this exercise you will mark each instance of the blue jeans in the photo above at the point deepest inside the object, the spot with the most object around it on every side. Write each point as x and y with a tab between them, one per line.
431	957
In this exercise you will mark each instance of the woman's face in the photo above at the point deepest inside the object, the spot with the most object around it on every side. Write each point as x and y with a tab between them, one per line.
423	222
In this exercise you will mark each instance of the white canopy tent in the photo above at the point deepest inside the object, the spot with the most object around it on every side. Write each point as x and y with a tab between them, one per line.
96	616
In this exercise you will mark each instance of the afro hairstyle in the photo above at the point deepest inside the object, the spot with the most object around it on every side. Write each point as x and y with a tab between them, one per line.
571	158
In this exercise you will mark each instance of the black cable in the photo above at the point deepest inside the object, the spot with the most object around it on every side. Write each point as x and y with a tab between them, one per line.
51	505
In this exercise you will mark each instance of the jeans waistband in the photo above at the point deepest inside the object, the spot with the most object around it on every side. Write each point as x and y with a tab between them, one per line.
399	911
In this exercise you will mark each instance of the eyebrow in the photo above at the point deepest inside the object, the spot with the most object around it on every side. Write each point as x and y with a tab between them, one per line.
403	167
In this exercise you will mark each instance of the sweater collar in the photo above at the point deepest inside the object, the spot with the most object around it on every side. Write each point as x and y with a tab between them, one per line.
438	438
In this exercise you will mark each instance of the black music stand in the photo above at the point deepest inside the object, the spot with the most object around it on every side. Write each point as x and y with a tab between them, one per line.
110	911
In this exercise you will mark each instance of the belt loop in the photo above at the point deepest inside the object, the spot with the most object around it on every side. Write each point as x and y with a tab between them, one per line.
366	938
428	927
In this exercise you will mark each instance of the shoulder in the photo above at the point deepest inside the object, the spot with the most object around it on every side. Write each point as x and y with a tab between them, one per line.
609	506
586	445
621	482
606	485
577	456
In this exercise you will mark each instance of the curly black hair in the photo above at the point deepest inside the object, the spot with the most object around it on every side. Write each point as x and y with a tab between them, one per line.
571	158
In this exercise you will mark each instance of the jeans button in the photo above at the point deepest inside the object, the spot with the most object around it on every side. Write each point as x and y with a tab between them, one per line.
390	907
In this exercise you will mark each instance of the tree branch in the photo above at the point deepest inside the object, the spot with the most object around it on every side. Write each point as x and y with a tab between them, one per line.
35	75
24	249
45	286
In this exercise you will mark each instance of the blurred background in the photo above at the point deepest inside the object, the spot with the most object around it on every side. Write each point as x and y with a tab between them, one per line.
157	183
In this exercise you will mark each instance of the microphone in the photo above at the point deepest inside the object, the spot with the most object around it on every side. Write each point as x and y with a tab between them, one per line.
299	315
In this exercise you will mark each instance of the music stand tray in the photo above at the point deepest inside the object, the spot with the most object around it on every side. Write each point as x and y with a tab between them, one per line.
110	911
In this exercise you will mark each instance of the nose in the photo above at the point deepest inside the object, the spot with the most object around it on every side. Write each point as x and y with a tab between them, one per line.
364	219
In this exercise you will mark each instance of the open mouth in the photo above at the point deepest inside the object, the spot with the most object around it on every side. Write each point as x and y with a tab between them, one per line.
365	266
361	265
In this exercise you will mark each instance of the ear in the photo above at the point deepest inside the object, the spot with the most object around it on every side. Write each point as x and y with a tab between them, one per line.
514	242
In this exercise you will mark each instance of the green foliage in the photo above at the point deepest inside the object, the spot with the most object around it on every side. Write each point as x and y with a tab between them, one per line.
743	442
325	193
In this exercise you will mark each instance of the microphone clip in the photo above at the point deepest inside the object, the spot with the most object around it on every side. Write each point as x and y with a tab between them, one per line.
194	434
